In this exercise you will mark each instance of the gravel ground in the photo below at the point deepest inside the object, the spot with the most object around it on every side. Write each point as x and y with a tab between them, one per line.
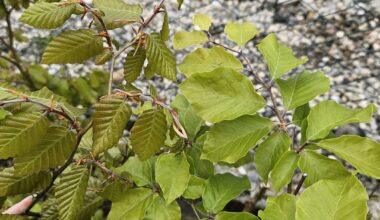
340	37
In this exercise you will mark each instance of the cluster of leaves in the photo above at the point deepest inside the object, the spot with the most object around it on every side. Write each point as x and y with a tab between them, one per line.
170	152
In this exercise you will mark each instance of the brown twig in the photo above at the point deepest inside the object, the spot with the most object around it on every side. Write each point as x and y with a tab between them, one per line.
17	61
103	168
300	183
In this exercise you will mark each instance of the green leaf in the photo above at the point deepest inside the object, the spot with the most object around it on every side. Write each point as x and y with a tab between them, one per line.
327	115
283	170
70	192
133	64
179	4
49	209
203	21
13	217
92	202
168	165
222	188
362	153
195	188
270	151
118	13
282	207
333	200
20	133
207	60
148	133
319	167
109	120
189	120
165	31
160	57
85	91
11	184
132	205
300	114
53	150
280	59
104	57
73	46
47	15
160	211
141	171
302	88
222	94
198	167
235	216
229	141
240	33
183	39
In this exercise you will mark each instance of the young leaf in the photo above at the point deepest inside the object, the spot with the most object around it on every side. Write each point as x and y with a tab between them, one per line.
283	170
198	167
206	60
165	31
179	4
319	167
240	33
195	188
131	205
160	211
166	166
10	184
344	198
118	13
327	115
229	141
222	94
282	207
73	46
91	204
70	192
142	172
53	150
300	114
104	57
190	121
362	153
302	88
222	188
280	59
270	151
47	15
21	132
133	65
110	118
160	57
202	21
183	39
235	216
148	133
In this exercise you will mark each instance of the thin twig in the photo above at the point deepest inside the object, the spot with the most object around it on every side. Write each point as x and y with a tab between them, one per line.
17	60
300	183
103	168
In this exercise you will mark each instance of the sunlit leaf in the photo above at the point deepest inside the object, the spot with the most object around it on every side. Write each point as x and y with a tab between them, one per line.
240	33
222	94
206	60
202	21
282	207
280	59
283	170
183	39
